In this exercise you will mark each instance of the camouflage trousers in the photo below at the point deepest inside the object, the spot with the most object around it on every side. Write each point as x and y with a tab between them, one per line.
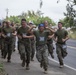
25	52
8	47
61	50
42	55
2	46
50	48
32	49
14	41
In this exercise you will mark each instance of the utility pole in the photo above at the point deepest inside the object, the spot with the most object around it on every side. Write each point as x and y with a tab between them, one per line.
7	10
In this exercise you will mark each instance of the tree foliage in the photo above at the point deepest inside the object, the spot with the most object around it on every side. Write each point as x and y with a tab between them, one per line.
35	17
69	20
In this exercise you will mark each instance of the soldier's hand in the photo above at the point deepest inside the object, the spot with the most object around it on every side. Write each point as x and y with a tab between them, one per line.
19	37
63	40
47	27
4	35
34	26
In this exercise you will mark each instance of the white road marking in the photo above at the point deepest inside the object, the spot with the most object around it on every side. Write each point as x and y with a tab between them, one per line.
64	64
71	47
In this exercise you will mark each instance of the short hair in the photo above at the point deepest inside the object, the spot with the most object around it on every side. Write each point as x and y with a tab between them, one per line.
60	22
23	19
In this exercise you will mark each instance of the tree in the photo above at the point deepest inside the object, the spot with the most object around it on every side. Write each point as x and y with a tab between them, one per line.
31	16
70	14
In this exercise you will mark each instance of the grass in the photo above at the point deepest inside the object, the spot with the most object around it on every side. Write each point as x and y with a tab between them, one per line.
2	72
72	33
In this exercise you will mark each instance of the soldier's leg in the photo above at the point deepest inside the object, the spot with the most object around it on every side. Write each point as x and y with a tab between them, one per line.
33	51
10	49
39	55
50	49
5	49
22	53
13	42
28	55
59	54
2	48
18	46
45	61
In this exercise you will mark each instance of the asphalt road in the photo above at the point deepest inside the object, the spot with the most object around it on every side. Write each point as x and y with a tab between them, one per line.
70	60
15	68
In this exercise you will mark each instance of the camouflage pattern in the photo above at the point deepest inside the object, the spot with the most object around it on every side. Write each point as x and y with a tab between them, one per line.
42	56
0	38
14	38
2	46
25	51
1	43
24	45
50	48
61	50
8	42
50	45
32	48
14	41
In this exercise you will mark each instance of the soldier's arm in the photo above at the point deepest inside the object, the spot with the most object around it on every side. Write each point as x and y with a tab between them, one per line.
14	33
31	36
50	36
52	30
3	34
67	37
30	29
18	34
55	37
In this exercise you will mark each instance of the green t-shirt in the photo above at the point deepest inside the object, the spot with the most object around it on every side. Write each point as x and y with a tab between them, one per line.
23	31
8	31
41	38
51	33
61	34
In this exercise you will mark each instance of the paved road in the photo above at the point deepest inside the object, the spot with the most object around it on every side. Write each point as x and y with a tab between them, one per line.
70	60
71	42
14	68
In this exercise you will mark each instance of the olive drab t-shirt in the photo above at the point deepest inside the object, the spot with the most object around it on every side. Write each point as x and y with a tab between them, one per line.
51	33
8	32
23	32
61	34
41	38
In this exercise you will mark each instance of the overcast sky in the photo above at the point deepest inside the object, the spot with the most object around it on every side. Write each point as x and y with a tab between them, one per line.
50	7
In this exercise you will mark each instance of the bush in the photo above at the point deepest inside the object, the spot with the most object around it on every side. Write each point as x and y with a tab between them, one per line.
2	72
72	33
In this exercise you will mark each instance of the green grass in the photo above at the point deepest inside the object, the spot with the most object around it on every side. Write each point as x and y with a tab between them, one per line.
2	72
72	33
